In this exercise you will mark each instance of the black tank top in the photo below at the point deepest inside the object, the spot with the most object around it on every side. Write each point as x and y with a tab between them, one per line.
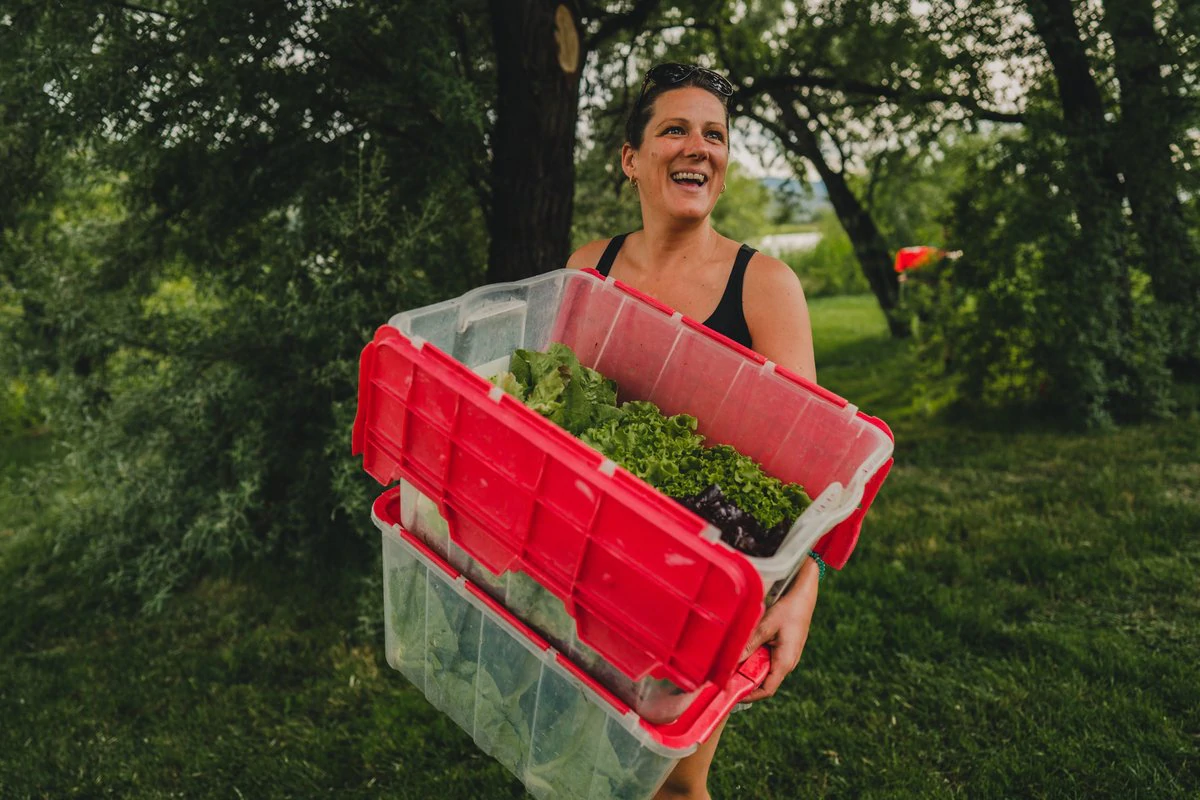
728	318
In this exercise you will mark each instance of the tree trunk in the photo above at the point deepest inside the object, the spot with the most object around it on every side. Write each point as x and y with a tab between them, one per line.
1149	118
1097	190
869	247
539	57
1104	360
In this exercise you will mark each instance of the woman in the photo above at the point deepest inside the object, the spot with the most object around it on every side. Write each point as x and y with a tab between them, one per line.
675	156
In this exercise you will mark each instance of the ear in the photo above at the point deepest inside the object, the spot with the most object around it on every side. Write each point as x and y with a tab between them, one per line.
628	160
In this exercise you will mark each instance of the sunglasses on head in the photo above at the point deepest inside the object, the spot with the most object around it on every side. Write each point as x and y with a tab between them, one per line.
670	74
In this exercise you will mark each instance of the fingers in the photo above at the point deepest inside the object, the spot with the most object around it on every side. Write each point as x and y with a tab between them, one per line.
760	637
771	683
757	640
784	659
764	633
785	628
756	695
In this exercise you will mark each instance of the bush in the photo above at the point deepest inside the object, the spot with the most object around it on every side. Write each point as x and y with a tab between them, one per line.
23	391
1030	315
23	404
830	268
217	429
200	284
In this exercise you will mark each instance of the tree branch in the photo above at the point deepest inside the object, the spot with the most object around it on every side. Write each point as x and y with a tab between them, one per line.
464	45
781	132
782	85
613	24
674	26
141	9
821	128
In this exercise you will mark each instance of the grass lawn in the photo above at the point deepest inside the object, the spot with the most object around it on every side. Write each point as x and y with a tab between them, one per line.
1021	619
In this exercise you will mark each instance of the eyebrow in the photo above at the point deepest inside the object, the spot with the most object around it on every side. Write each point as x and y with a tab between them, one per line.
685	120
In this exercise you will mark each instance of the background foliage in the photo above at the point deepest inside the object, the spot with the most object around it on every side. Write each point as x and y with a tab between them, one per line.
207	206
210	205
234	201
830	268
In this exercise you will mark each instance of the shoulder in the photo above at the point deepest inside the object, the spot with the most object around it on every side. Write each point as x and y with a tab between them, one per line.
770	280
777	314
588	256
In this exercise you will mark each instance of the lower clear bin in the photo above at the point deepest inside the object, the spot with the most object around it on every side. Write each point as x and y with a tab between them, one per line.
654	699
521	701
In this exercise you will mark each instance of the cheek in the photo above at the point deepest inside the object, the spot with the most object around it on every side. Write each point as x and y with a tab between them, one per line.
660	154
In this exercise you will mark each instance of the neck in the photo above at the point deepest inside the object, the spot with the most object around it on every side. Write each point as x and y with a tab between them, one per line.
672	243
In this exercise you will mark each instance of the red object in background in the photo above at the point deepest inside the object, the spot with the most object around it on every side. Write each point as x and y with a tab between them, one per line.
912	257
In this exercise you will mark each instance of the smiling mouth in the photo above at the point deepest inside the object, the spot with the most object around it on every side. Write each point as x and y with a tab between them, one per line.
689	178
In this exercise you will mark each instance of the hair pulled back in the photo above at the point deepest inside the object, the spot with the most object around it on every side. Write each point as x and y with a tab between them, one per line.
643	110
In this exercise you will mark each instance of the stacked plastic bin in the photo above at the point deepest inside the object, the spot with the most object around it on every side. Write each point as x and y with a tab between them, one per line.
526	525
526	705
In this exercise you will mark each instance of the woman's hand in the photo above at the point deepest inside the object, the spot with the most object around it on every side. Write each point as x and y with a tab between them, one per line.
784	629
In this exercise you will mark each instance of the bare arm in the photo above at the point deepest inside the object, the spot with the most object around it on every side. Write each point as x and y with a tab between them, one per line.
777	315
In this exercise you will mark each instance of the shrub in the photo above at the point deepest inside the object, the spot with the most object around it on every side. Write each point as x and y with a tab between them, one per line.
1030	316
23	403
201	282
830	268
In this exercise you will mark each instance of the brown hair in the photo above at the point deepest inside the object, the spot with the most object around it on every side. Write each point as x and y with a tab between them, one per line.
643	110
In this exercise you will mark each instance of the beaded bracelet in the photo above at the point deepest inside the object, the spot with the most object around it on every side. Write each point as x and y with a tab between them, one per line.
820	565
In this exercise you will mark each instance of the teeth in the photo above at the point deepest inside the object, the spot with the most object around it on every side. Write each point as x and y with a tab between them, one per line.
688	176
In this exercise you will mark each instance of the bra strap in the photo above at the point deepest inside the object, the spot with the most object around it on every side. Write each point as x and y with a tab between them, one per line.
745	253
732	299
729	318
610	254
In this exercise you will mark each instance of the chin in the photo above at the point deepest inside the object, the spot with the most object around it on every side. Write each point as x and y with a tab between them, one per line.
695	209
694	213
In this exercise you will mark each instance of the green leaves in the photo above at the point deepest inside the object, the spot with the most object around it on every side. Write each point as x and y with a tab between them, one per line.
666	452
558	387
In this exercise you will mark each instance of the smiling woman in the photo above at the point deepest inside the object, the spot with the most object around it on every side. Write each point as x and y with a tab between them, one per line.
676	156
687	152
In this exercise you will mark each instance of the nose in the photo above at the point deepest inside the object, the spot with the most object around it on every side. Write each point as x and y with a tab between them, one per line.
694	145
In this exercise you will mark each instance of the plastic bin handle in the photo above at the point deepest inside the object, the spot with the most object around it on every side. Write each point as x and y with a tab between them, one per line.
835	547
753	671
748	677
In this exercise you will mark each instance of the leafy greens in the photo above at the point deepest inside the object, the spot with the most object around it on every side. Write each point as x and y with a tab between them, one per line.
664	451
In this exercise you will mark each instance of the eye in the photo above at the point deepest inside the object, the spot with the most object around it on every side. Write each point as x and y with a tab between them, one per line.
673	129
716	136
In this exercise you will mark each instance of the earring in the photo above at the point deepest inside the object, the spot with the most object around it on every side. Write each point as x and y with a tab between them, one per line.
633	181
723	185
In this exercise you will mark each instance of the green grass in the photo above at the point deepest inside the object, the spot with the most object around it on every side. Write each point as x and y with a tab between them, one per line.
1021	619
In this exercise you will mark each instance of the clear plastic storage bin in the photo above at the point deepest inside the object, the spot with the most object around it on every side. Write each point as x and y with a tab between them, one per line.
647	584
654	699
522	702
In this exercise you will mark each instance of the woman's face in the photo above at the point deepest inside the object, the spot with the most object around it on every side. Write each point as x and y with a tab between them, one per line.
680	167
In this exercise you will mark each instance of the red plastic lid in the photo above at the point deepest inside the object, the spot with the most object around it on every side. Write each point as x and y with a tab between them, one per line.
519	493
698	721
913	257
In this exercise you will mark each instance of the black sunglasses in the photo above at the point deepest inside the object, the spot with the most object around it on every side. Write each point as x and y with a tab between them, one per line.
670	74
